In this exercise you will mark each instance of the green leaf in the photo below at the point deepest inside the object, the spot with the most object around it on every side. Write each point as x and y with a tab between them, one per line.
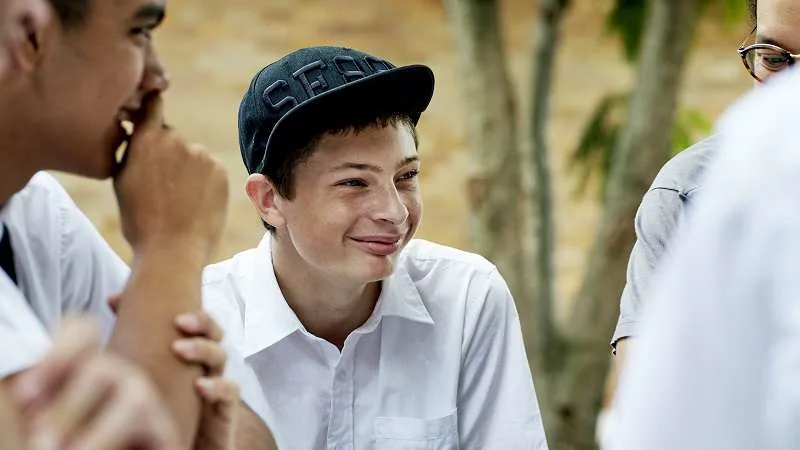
733	13
594	153
691	125
627	19
593	156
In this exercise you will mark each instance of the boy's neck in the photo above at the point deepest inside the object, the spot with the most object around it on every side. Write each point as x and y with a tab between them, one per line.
328	309
16	161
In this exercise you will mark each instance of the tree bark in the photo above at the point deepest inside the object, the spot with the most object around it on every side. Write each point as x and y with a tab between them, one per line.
494	187
643	148
543	340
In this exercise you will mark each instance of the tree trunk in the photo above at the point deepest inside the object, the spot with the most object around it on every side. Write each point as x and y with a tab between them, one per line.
543	341
643	148
494	187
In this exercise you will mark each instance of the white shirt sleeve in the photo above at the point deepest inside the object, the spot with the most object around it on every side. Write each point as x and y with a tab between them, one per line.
498	408
716	366
91	270
24	339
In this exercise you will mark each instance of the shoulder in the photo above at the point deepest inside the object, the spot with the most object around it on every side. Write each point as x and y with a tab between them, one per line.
678	179
684	171
42	193
43	218
424	257
225	282
224	272
451	276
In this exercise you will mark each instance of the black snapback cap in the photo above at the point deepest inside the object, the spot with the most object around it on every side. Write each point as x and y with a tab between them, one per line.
292	95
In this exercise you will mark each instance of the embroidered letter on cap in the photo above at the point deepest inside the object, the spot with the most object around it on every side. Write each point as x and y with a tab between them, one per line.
348	67
319	85
377	65
285	100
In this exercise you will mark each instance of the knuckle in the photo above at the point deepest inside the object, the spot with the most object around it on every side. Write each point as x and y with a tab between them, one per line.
198	148
219	167
222	356
218	331
233	388
223	359
101	368
138	395
174	141
203	320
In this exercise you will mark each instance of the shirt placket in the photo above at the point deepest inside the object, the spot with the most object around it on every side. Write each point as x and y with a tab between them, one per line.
341	421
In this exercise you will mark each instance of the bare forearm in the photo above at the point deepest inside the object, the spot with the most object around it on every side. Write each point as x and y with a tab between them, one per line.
251	433
164	283
9	424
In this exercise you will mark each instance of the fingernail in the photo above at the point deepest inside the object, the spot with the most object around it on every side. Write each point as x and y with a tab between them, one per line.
183	347
44	440
187	320
204	383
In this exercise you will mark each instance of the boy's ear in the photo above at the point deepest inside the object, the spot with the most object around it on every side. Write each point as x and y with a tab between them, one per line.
28	28
265	199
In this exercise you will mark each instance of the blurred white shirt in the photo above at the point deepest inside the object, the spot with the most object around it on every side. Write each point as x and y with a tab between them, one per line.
439	364
718	363
63	267
23	339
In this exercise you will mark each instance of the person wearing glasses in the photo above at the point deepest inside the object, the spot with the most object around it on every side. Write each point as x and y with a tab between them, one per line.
716	365
773	46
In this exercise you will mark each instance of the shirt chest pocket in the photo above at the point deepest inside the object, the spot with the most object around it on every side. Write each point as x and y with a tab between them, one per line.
403	433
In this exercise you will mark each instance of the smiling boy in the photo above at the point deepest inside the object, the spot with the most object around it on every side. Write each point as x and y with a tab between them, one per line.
353	333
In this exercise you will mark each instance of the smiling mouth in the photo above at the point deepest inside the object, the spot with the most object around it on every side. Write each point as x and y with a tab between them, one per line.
378	246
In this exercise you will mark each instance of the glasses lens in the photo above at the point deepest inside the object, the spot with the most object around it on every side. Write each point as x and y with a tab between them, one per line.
764	61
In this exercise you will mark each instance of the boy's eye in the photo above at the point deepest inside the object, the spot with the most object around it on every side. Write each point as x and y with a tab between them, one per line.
352	183
410	175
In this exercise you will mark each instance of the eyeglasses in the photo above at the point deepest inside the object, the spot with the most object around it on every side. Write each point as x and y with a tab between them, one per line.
763	60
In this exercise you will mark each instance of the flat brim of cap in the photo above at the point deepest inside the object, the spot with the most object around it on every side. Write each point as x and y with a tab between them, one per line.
406	89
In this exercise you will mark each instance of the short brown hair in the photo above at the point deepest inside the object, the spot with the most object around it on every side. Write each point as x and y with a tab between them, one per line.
71	13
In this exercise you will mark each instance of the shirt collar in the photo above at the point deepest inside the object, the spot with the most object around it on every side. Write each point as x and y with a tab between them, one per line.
400	298
269	319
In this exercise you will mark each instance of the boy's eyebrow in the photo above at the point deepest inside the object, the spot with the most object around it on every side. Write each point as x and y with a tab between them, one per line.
370	167
408	160
153	12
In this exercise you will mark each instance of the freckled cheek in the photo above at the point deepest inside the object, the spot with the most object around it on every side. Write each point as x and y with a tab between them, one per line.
336	218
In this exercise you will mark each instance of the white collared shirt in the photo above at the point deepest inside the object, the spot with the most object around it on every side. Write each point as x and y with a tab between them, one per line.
717	366
439	364
23	339
63	267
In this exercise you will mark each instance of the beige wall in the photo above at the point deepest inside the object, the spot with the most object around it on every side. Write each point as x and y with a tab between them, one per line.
212	54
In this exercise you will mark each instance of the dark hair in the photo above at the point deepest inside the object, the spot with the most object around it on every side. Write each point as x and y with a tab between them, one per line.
752	6
71	13
282	176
